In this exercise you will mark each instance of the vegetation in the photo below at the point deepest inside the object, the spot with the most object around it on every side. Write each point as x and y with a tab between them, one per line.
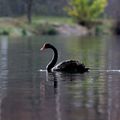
37	7
44	25
16	8
49	31
4	32
40	25
86	11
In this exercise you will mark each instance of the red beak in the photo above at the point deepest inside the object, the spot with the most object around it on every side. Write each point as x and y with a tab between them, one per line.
42	49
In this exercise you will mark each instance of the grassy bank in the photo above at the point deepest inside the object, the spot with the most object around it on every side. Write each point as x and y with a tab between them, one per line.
40	25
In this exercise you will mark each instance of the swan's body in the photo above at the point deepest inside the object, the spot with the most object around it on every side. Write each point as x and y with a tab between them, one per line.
71	66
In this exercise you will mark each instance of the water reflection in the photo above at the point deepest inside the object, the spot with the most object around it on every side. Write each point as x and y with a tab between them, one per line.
113	58
3	69
79	94
26	93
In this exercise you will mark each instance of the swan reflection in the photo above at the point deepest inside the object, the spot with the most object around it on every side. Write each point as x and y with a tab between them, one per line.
83	93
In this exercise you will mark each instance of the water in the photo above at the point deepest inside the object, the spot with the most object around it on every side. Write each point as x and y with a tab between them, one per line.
28	93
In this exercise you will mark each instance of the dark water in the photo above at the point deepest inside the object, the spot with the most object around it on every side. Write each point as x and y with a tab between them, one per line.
26	93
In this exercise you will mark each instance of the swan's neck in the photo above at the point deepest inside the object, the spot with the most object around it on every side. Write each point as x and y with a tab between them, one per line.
54	59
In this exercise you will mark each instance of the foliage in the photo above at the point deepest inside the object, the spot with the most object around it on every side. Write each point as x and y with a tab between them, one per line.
85	11
4	32
24	32
38	7
40	25
46	29
51	31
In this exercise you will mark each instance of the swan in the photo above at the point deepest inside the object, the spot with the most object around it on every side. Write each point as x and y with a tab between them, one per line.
69	66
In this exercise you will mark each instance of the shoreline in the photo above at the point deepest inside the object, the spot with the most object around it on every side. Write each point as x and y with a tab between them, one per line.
41	26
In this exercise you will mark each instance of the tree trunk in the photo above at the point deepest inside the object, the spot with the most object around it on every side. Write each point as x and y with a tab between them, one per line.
29	11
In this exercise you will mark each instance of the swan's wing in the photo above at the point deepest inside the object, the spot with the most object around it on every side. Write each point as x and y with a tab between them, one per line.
68	66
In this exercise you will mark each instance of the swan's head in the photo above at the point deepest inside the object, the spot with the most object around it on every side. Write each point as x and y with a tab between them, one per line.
45	46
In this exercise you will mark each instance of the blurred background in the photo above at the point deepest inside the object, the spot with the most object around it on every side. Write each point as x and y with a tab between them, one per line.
49	16
84	30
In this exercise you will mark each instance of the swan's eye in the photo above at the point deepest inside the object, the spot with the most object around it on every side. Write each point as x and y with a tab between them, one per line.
46	46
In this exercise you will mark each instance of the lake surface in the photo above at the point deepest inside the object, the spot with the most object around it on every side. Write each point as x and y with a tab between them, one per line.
26	93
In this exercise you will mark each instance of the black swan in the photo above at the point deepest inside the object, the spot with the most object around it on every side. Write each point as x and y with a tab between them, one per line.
70	66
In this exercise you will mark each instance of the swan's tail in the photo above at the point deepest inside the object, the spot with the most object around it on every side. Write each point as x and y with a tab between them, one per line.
87	69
